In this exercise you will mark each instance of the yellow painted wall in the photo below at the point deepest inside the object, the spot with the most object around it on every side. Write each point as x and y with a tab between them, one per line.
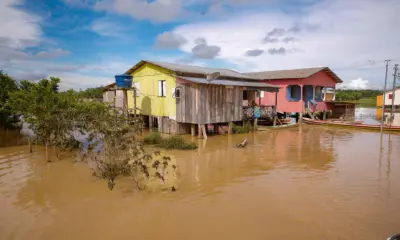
148	100
379	101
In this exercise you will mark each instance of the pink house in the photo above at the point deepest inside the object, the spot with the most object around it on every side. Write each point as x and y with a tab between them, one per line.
312	88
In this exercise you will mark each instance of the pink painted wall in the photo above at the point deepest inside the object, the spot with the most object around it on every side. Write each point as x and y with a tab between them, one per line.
319	79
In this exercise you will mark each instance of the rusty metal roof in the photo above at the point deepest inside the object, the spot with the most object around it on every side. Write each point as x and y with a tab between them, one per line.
182	68
293	74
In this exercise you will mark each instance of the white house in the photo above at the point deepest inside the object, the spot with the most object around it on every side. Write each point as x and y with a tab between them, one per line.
389	97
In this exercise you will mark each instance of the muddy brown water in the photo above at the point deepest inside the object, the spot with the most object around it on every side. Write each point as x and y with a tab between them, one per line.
301	183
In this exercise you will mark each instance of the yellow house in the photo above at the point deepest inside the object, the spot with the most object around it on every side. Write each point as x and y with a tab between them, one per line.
175	97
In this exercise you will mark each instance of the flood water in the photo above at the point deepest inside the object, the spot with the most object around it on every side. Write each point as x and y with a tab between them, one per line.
309	182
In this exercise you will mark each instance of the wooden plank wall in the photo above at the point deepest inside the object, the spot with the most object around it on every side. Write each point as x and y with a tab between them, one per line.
207	104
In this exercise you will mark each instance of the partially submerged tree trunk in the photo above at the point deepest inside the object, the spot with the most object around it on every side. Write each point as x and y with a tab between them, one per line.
47	151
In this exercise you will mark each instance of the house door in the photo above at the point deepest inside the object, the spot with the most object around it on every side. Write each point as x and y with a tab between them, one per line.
308	93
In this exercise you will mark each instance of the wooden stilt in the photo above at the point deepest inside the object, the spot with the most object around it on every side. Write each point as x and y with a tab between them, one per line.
300	117
200	131
230	128
275	120
203	127
29	145
255	124
192	129
150	123
325	114
47	153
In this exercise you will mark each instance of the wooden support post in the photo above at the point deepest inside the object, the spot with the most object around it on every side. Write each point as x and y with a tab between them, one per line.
150	123
192	129
203	127
29	145
300	117
230	128
200	131
134	102
324	115
215	128
275	117
255	124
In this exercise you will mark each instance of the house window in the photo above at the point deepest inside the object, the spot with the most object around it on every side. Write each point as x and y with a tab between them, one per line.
390	96
293	93
162	88
260	94
318	93
136	85
244	95
176	92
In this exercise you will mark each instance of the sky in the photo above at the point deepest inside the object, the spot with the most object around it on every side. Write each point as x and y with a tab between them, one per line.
87	42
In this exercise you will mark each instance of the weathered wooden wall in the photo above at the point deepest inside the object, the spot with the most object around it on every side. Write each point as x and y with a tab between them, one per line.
207	104
109	96
170	126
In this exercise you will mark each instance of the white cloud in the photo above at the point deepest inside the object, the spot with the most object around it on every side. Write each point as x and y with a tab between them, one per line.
156	11
336	34
358	84
110	27
18	29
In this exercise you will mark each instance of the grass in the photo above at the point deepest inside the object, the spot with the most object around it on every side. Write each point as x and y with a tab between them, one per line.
246	128
365	102
153	138
174	142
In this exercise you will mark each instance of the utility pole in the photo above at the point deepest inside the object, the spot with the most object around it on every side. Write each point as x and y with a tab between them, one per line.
384	92
396	68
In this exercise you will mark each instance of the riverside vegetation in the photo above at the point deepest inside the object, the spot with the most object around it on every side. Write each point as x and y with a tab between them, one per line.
57	118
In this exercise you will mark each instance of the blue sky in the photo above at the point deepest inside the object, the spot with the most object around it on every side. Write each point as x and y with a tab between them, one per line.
87	42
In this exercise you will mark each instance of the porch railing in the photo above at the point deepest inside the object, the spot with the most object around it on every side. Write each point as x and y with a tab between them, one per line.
259	112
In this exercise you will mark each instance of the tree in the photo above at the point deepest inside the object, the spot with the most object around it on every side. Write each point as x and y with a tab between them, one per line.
8	85
93	93
49	114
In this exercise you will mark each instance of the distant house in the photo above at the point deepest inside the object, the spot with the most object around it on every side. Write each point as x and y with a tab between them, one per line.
389	96
303	89
175	98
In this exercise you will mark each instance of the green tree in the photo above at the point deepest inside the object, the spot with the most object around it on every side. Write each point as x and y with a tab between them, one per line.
8	85
49	114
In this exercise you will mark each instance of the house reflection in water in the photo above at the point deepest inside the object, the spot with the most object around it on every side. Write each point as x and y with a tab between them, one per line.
220	164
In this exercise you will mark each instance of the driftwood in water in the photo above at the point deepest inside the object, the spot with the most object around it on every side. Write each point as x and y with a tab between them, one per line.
242	144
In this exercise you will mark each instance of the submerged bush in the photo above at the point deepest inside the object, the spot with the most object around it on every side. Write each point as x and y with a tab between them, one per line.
176	142
153	138
246	128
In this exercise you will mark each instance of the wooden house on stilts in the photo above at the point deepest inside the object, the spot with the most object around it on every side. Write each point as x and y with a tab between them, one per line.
179	99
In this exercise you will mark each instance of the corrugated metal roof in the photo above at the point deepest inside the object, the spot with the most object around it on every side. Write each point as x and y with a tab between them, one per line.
193	69
293	74
254	84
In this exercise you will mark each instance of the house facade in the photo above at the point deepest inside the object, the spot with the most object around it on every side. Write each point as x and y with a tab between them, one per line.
392	97
308	89
178	98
